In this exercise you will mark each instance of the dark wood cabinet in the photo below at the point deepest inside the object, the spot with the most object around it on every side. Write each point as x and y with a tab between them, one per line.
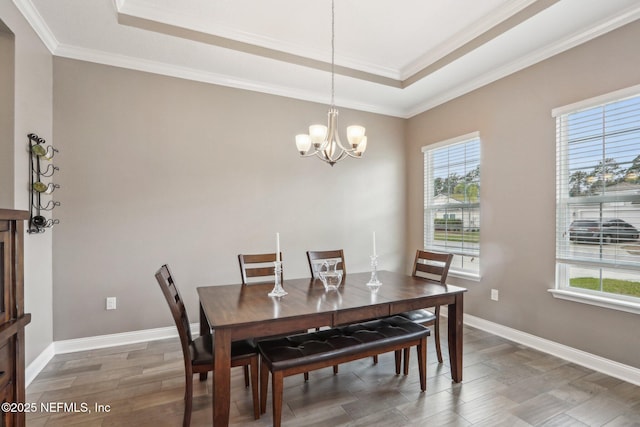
12	316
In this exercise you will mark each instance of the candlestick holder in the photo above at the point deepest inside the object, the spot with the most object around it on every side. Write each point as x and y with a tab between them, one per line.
278	290
374	283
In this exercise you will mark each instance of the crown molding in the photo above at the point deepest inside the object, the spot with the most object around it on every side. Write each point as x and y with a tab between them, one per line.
106	58
532	58
170	70
33	17
463	37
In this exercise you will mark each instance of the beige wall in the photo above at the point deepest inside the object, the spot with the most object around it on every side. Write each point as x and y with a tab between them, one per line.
513	116
32	101
6	115
156	169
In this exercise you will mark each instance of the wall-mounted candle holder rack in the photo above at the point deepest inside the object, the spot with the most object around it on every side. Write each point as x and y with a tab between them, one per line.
38	188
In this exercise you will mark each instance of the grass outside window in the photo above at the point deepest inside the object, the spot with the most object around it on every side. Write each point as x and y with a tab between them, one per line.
612	286
457	236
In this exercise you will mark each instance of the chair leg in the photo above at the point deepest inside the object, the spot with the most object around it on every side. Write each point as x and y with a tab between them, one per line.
335	369
276	396
436	326
398	356
246	376
264	383
375	359
422	363
203	376
306	376
254	387
188	399
407	357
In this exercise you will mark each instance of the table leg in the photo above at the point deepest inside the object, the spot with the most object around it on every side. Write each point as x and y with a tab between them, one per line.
221	377
455	311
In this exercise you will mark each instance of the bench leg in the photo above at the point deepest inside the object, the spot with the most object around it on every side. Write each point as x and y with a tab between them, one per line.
277	386
264	384
422	363
398	356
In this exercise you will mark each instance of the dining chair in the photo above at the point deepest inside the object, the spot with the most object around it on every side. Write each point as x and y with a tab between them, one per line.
258	266
316	258
198	353
432	266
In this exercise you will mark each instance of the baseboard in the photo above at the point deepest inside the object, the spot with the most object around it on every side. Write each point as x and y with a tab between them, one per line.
38	364
112	340
609	367
588	360
100	341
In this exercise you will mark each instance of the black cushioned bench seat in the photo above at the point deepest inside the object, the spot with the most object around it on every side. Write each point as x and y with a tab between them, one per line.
314	350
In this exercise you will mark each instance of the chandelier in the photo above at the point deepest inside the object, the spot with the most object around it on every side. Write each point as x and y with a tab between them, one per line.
323	141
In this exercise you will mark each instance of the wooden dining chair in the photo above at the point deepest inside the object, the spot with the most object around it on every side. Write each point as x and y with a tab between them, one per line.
198	353
432	266
258	266
316	258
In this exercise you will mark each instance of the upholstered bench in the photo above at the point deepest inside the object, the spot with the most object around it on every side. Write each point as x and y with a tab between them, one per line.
310	351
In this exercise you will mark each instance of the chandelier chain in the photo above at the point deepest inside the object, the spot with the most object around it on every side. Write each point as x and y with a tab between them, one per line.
333	74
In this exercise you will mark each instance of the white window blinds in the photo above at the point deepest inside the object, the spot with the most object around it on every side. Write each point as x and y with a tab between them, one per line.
452	200
598	185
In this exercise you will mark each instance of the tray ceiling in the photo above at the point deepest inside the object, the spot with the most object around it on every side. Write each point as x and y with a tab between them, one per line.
398	58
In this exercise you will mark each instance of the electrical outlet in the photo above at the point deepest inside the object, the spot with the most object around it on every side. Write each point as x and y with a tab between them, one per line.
111	303
494	294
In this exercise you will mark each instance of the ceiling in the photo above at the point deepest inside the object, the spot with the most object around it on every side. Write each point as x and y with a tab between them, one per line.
394	57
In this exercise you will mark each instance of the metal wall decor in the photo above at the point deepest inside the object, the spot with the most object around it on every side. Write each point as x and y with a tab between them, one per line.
40	192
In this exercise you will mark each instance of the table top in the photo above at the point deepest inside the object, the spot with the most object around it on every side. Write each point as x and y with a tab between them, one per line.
229	306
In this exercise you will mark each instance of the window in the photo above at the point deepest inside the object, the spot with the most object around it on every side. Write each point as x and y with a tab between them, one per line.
452	201
598	199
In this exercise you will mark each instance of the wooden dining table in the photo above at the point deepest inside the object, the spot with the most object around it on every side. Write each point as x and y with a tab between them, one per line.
235	312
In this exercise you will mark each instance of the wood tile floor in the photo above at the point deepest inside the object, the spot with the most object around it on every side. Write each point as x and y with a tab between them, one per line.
505	384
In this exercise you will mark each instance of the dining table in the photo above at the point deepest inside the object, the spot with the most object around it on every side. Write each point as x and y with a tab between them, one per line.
236	312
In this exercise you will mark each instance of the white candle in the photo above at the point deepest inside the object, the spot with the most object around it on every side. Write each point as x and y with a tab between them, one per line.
278	247
374	243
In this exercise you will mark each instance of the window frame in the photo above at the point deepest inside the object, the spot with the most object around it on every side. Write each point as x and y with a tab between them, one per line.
562	288
428	217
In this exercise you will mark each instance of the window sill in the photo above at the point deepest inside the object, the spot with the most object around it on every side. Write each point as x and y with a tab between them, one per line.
597	300
464	275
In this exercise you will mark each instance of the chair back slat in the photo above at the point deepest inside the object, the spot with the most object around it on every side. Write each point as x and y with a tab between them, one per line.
316	258
258	266
178	310
432	265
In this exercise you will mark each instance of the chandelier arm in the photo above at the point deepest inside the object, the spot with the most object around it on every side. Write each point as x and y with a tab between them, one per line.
309	153
342	155
322	156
